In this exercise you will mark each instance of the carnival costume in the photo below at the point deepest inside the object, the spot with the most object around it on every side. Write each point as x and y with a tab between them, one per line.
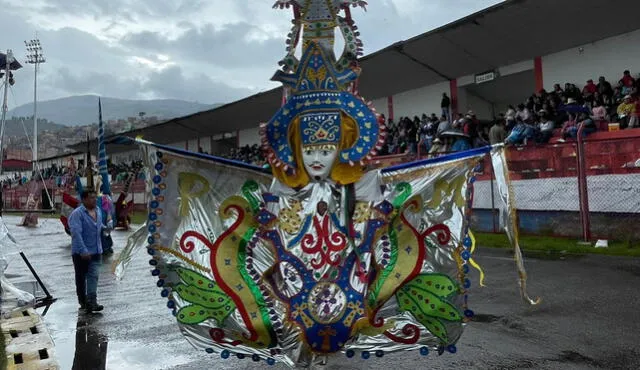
321	255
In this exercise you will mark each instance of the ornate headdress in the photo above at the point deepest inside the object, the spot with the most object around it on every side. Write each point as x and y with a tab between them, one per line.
323	102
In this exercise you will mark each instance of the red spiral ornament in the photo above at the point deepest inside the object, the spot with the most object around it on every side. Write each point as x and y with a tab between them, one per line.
442	231
376	322
411	331
218	336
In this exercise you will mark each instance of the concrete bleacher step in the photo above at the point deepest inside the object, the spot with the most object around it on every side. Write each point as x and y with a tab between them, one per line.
28	343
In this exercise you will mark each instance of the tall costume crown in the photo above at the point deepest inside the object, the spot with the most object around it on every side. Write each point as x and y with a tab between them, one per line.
323	101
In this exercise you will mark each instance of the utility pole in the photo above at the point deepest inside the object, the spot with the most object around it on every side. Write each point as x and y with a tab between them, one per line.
35	57
5	107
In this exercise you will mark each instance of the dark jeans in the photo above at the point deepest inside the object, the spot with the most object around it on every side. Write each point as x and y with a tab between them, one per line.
572	132
107	243
87	272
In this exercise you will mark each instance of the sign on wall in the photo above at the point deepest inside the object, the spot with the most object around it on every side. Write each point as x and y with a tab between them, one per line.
486	77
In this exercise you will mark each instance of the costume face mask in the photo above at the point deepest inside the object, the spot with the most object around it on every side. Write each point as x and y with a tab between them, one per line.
319	161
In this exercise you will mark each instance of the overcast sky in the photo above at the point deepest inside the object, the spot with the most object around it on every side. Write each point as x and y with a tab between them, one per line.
210	51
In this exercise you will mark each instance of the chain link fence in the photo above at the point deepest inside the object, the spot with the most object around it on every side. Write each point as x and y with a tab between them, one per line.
550	197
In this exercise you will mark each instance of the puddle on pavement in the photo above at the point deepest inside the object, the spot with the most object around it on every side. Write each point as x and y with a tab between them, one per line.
82	343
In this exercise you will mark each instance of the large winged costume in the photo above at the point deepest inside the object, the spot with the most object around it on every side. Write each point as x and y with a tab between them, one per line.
320	255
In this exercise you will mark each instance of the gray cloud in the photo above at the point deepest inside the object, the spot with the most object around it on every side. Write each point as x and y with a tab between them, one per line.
225	47
212	43
170	83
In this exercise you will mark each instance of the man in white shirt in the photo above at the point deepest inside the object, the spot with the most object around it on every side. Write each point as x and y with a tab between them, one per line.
546	127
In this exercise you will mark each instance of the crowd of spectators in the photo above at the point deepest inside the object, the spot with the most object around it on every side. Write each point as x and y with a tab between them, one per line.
536	119
251	154
15	179
64	175
566	109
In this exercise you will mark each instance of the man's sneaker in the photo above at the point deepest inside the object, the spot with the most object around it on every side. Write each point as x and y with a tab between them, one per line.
107	252
93	307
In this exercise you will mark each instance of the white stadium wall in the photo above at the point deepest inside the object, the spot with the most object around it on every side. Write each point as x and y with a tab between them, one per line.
513	84
249	137
418	101
483	109
381	106
607	57
205	144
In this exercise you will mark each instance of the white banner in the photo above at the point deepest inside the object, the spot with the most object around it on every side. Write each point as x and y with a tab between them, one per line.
607	193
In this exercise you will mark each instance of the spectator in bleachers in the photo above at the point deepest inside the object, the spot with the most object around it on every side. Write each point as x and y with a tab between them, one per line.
445	104
589	89
521	133
497	133
635	116
443	125
572	92
625	112
604	87
588	123
569	127
412	134
460	142
627	83
557	90
458	122
545	128
428	130
599	111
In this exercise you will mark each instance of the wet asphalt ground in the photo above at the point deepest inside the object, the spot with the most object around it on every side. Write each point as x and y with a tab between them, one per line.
588	319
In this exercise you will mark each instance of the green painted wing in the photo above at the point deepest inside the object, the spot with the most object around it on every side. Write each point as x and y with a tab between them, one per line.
425	298
194	314
190	277
438	284
207	300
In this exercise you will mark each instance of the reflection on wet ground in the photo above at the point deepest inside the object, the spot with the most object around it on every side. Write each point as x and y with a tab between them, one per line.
138	330
586	319
91	345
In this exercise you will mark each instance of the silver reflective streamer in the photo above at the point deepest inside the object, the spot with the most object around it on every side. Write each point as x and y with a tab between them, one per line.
508	217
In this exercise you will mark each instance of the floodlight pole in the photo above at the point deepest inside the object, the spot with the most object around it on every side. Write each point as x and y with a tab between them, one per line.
5	107
35	57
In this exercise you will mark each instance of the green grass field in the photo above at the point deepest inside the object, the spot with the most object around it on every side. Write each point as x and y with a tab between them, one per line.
553	245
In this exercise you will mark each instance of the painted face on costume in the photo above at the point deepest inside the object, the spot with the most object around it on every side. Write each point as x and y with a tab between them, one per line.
318	162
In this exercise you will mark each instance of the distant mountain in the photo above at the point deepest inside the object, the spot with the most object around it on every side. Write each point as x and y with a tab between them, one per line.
21	126
83	110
